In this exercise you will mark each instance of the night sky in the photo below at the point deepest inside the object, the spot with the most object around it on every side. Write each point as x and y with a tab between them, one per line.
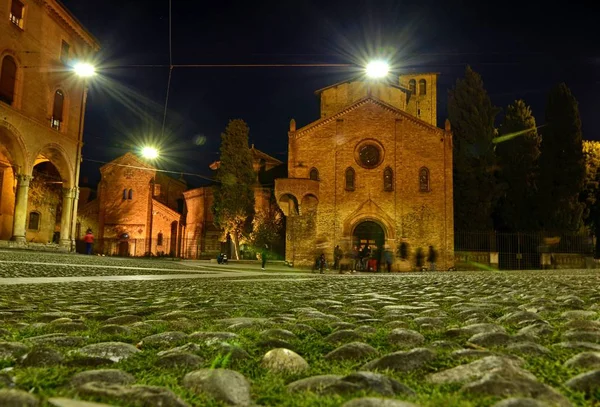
520	49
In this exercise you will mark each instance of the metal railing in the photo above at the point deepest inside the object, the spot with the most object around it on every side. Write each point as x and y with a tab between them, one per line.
183	248
518	251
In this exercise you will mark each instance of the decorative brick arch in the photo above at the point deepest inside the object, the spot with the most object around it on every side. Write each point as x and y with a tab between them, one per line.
287	201
12	141
57	155
369	211
309	203
388	229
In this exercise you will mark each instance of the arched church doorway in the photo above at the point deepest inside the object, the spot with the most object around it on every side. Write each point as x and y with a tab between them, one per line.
369	234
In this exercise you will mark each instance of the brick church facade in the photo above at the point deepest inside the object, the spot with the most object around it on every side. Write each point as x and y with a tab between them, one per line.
138	210
373	170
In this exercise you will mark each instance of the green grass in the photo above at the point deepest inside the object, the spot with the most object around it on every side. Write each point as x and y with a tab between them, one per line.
205	302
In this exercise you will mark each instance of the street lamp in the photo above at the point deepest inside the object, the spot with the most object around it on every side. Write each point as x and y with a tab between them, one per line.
84	71
377	69
150	152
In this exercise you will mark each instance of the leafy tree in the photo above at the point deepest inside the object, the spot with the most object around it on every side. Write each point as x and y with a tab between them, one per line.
591	193
517	153
472	116
562	167
233	205
267	226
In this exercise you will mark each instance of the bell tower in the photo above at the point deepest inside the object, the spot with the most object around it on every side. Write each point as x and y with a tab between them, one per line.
422	100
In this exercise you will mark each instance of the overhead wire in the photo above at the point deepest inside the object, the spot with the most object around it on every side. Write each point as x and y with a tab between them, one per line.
170	72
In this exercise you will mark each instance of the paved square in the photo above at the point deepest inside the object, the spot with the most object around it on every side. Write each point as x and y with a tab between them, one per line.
191	334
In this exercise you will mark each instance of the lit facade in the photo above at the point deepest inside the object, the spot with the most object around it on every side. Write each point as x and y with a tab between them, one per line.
42	104
373	170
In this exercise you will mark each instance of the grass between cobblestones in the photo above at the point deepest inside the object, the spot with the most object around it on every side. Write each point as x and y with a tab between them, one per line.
204	303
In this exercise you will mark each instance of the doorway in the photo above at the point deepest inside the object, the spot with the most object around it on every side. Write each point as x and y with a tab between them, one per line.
371	234
123	248
368	233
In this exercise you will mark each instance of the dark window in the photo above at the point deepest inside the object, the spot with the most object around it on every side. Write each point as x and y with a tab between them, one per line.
8	78
424	180
159	240
131	194
124	194
422	87
64	52
350	178
412	85
180	205
314	174
34	221
388	179
57	110
16	13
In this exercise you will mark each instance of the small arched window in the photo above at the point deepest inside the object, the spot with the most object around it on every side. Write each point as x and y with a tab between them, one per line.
131	194
388	179
57	110
350	178
314	174
422	87
8	79
424	179
124	194
412	85
34	221
159	239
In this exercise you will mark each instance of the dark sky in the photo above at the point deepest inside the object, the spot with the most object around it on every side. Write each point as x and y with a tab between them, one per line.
521	49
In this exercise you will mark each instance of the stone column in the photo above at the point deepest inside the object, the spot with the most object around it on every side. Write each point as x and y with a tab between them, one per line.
20	217
65	219
73	220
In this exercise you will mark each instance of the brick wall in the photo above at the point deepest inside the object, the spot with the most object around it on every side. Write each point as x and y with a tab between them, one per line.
405	213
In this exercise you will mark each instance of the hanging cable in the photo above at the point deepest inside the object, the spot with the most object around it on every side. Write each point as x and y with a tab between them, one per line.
162	133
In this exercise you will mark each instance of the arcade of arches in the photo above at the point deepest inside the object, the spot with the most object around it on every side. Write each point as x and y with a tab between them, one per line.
374	171
36	193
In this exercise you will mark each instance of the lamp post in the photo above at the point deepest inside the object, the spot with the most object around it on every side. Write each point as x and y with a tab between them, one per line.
83	71
150	153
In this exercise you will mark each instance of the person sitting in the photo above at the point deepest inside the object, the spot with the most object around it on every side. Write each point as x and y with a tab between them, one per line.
220	258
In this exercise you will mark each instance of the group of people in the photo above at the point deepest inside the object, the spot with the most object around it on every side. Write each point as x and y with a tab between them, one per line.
364	258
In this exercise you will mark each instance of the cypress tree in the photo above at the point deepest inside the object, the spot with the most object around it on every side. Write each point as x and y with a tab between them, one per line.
472	116
517	152
562	166
233	205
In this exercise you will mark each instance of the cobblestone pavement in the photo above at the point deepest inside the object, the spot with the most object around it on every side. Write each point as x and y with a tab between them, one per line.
248	338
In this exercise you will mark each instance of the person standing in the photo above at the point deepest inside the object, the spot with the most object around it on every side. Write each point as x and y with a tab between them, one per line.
263	256
355	258
89	241
387	255
431	258
337	257
322	263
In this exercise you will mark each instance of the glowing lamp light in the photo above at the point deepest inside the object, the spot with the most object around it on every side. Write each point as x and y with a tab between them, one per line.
377	69
150	153
84	70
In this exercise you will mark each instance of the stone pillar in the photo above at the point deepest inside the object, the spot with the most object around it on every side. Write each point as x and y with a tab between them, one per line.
73	220
66	217
20	217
